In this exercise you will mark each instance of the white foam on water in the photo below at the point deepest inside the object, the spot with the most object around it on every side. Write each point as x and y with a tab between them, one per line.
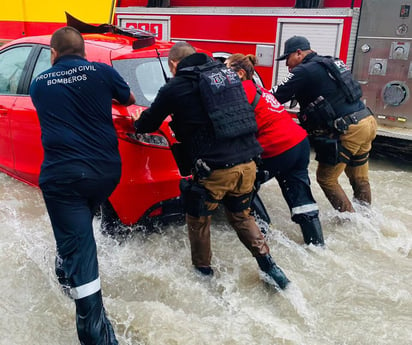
354	291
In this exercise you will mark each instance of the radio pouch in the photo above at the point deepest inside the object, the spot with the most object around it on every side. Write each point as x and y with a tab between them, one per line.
327	150
317	116
193	198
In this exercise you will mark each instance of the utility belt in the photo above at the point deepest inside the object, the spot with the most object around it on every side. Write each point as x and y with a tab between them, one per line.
197	199
319	118
201	168
342	124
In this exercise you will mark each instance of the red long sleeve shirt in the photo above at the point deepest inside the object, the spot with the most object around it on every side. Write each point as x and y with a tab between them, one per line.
277	131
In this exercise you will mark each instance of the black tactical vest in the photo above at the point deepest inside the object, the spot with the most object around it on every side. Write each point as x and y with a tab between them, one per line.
224	99
342	75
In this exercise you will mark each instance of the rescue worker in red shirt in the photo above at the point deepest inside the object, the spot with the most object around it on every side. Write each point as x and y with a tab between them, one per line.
286	150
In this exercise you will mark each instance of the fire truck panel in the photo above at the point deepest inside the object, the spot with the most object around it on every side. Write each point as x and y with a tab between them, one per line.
383	63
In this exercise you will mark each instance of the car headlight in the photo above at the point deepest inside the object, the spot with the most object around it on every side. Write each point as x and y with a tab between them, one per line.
151	139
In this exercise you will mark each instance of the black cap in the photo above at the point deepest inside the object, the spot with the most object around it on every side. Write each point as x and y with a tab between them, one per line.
293	44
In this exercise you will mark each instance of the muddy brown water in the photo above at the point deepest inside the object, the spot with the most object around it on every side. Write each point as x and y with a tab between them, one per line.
356	291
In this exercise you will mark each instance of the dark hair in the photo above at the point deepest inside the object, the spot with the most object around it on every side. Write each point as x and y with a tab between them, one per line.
179	51
67	41
245	62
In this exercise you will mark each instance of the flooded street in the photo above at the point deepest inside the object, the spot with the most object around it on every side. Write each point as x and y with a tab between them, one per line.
355	291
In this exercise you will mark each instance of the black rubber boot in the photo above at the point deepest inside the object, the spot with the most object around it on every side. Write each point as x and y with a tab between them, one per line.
93	327
312	231
206	271
268	266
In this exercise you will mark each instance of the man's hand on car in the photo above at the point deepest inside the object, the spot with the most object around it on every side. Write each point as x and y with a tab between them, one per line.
136	114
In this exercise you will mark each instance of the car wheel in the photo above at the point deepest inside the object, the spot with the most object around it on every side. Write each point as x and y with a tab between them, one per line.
110	223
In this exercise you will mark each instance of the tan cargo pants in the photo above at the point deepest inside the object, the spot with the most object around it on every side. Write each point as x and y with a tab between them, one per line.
358	140
222	185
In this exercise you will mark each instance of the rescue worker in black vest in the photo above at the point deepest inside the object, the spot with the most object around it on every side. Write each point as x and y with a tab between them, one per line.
223	170
341	127
80	170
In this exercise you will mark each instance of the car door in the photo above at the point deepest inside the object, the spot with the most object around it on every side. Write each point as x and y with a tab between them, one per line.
12	62
25	126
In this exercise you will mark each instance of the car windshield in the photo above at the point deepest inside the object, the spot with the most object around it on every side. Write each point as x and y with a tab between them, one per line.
145	77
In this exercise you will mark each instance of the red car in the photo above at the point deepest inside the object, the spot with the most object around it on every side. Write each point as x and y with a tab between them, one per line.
148	191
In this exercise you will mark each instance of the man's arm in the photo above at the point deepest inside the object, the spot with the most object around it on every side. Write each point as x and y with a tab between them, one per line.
152	118
147	122
292	85
130	101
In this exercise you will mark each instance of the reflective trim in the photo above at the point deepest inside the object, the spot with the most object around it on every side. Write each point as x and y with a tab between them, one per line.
86	289
304	209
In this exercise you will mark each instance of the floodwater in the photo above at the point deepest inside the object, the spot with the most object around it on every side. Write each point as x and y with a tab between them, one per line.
355	291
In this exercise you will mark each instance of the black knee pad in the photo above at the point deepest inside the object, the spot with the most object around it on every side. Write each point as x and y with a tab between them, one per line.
238	203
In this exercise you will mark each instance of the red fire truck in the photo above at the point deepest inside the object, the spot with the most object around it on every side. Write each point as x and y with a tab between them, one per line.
372	36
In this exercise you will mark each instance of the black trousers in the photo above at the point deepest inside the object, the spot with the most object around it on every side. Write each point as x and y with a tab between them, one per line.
71	206
291	171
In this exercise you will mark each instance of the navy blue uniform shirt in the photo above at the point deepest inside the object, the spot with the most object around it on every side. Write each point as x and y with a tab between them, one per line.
73	100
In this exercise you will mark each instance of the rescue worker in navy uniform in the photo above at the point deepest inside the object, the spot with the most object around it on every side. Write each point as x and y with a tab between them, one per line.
341	127
81	168
223	169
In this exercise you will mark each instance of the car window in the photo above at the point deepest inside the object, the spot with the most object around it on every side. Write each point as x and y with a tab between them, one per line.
145	77
12	62
43	63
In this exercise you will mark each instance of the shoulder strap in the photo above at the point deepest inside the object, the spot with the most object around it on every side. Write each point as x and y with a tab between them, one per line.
257	97
341	74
